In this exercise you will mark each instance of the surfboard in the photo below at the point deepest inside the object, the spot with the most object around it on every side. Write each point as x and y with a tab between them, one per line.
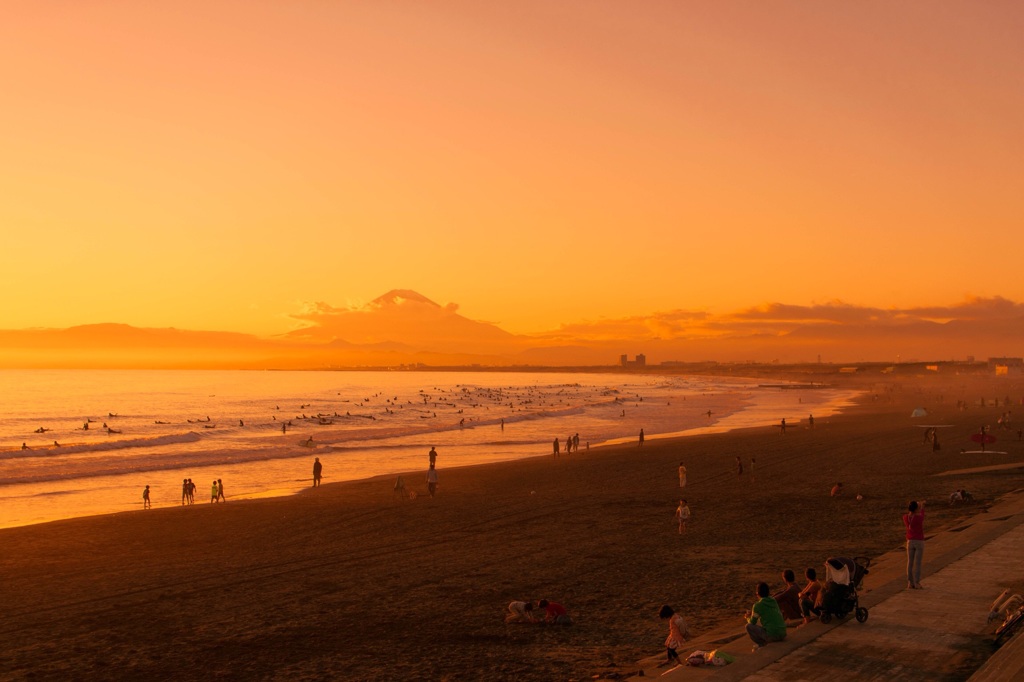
983	452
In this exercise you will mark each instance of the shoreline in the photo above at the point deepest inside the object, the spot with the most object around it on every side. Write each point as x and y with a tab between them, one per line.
749	414
325	584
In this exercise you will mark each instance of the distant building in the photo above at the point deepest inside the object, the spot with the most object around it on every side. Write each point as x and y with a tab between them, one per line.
641	361
1016	363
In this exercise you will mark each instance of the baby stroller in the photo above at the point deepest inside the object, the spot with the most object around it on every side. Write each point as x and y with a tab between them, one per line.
843	577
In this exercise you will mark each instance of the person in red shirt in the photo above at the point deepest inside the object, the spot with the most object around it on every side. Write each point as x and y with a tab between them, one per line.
914	522
555	613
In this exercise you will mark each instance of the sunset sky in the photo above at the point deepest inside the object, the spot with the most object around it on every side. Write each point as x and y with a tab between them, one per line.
216	165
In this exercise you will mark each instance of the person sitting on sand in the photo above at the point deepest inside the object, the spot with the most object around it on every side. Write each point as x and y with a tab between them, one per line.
520	612
810	596
788	598
554	613
677	633
764	619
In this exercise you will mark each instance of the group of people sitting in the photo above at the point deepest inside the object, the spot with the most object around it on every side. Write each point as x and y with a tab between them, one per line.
523	612
766	620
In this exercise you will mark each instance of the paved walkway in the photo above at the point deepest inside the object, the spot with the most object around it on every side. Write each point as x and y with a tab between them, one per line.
938	633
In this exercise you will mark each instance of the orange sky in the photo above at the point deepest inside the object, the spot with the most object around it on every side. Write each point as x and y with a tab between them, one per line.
221	165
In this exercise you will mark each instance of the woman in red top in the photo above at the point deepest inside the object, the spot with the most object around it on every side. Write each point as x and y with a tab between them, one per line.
914	522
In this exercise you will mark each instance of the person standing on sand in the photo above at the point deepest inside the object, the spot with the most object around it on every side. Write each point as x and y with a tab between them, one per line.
191	492
184	491
682	475
782	427
913	520
145	498
641	438
739	466
432	456
556	447
810	420
213	492
220	491
432	480
318	470
677	632
683	514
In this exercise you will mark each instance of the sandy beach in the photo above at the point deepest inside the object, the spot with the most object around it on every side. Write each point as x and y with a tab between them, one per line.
350	582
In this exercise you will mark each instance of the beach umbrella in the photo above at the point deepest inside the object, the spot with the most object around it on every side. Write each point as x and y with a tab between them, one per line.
919	412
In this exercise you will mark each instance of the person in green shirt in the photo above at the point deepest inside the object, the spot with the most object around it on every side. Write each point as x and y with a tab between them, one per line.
764	620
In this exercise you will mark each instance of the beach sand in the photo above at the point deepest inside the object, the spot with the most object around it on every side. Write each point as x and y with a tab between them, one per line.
348	582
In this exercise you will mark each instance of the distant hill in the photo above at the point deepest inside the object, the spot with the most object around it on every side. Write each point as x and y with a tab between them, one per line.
403	327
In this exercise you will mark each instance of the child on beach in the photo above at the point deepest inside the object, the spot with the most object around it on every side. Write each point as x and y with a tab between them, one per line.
677	633
683	514
145	498
520	612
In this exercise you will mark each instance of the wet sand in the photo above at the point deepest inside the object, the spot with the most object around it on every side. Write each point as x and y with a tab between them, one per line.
349	582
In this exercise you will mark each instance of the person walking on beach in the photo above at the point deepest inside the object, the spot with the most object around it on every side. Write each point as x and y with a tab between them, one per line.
782	427
191	491
810	420
213	492
184	491
913	520
739	466
145	498
432	456
431	480
682	475
641	444
677	633
556	447
683	514
220	491
764	619
318	469
576	443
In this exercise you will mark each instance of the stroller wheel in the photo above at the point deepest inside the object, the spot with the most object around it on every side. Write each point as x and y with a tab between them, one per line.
826	617
862	614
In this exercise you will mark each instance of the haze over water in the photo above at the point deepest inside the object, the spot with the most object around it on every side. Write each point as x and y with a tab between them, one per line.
204	425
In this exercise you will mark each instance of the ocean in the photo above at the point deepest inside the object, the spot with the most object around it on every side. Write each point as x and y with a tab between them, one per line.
85	442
